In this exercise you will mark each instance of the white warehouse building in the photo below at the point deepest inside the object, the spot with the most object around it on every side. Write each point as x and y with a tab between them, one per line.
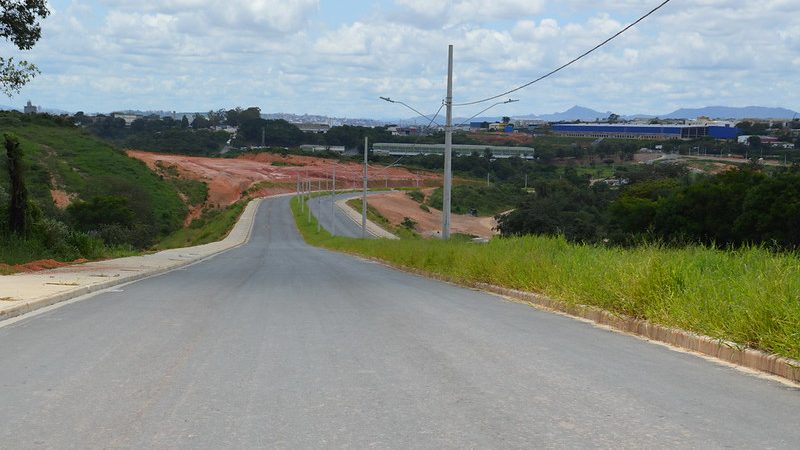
458	149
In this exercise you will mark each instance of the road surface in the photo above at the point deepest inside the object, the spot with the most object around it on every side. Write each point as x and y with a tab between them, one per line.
277	344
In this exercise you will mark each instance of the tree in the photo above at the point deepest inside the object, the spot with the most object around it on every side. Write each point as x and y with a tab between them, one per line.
185	122
18	211
101	210
200	122
754	141
613	118
506	120
19	23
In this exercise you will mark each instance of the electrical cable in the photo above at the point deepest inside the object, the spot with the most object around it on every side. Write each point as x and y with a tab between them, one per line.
484	110
570	62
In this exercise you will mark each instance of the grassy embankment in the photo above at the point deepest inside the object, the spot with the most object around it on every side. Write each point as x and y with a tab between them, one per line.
376	217
213	226
215	223
69	160
750	297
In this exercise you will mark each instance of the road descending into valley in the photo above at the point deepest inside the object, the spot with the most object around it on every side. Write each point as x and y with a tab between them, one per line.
278	344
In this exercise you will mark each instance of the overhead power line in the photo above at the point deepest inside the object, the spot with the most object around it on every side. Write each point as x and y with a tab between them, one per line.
484	110
552	72
387	99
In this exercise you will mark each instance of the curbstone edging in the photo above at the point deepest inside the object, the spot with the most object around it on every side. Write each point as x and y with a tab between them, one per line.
727	351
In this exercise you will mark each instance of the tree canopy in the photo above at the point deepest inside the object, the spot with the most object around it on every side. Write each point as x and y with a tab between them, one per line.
19	23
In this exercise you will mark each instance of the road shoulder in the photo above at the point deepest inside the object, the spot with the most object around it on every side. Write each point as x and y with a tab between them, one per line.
26	292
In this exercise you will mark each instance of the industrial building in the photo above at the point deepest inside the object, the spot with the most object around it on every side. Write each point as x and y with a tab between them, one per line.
654	132
438	149
322	148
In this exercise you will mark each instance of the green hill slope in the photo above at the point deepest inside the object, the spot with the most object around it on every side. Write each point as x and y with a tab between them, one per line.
83	168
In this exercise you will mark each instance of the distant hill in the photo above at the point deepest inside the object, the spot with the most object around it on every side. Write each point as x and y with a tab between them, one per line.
575	113
726	112
714	112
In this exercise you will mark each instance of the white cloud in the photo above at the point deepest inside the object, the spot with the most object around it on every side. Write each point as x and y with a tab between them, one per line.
195	16
201	54
441	13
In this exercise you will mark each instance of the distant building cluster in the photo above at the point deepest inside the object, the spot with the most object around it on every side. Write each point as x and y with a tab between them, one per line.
770	141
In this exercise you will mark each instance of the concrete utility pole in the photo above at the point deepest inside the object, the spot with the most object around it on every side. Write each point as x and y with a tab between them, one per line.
333	202
298	192
448	147
364	196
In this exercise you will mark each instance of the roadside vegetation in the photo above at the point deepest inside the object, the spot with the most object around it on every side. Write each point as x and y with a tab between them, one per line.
212	226
110	204
750	296
405	230
478	199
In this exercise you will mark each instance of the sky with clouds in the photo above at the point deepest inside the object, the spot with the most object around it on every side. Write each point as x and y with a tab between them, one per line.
336	57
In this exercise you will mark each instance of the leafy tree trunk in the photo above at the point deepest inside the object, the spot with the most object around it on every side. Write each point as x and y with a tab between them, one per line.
18	214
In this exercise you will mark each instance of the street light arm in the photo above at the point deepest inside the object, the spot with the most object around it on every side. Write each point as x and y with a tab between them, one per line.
490	107
387	99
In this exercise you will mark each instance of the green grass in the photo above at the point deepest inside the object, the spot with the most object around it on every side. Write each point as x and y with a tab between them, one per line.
486	200
196	191
84	165
69	159
376	217
750	296
598	171
212	226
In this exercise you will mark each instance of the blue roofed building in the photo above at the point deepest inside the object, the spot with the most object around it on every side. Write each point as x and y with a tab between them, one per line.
650	131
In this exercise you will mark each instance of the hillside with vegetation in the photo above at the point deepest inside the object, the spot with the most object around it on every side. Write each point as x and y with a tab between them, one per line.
85	198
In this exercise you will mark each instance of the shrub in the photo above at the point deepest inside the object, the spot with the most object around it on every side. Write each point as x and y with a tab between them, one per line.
417	196
100	211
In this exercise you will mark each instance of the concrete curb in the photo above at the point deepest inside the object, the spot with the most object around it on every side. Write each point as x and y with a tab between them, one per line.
726	351
48	300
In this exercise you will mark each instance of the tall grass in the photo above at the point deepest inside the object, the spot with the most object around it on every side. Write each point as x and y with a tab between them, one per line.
212	226
749	296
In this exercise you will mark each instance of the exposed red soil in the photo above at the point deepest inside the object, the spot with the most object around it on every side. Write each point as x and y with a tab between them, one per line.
42	264
60	198
228	178
396	206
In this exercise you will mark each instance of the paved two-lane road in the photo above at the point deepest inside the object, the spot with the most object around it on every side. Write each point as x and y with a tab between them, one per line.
276	344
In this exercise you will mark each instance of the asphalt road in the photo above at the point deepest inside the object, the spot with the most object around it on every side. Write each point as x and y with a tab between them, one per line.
276	344
332	218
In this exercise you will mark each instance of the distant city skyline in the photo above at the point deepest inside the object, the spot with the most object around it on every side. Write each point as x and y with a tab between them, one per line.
335	58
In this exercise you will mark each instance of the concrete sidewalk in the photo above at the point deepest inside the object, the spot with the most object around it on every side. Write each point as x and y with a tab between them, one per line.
26	292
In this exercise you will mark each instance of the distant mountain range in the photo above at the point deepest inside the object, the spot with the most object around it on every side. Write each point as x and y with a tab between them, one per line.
581	113
726	112
714	112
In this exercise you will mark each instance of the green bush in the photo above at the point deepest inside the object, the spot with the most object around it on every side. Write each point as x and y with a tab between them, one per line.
416	195
100	211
